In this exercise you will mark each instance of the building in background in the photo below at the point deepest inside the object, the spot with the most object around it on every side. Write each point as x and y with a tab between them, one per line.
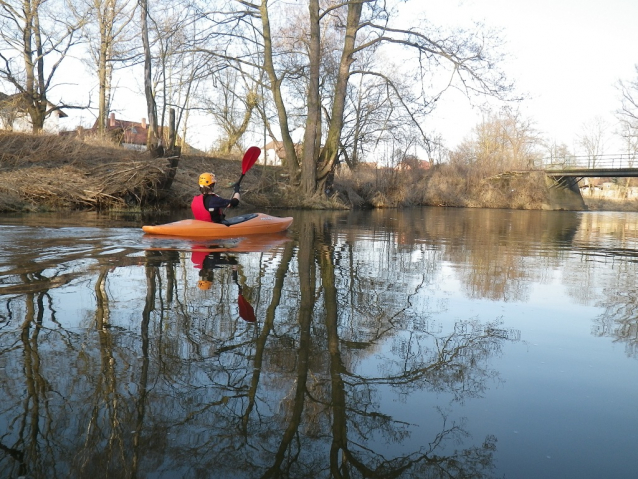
14	115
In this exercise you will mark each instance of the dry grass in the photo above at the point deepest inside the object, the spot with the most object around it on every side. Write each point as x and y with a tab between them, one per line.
46	172
606	204
443	185
379	187
20	150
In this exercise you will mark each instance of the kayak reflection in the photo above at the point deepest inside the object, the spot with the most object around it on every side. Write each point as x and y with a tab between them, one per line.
214	258
208	263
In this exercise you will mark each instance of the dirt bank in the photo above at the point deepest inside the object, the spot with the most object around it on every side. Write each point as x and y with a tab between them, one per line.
44	173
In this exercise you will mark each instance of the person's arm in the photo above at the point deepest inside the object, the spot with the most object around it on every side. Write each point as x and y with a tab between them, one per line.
214	201
234	201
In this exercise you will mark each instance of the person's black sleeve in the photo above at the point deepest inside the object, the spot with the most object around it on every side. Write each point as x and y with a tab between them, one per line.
212	202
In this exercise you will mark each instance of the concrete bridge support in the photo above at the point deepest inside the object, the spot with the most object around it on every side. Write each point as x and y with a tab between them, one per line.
564	193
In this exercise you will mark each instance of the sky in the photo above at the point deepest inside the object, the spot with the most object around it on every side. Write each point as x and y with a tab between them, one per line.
564	55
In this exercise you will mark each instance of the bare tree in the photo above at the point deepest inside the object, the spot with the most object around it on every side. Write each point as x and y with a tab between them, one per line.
627	115
374	117
559	154
630	141
232	107
503	142
173	67
108	35
153	140
628	110
35	37
363	26
593	139
177	71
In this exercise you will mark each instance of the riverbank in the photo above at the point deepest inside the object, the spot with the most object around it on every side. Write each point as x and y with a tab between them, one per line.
51	173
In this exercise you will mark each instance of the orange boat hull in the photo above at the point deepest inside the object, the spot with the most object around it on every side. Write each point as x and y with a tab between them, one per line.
261	224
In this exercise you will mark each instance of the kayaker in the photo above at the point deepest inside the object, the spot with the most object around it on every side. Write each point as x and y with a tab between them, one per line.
209	206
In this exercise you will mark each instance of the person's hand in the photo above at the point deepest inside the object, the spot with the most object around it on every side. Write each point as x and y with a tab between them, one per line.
236	188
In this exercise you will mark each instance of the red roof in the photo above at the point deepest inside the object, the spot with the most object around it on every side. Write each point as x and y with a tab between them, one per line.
134	133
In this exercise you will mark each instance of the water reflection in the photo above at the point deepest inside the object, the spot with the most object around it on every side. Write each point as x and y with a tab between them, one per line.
124	356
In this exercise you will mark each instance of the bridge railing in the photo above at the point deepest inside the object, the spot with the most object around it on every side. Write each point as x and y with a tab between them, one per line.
614	161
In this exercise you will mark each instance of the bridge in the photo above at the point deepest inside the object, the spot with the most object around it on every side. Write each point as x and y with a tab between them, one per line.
562	176
596	166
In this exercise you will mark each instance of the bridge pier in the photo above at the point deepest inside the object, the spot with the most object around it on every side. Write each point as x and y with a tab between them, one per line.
564	193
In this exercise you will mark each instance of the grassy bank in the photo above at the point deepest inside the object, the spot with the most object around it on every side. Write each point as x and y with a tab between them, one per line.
48	173
442	185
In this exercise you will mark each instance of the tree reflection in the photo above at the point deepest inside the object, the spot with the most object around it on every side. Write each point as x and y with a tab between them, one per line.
33	425
293	401
167	379
353	412
619	320
327	412
617	291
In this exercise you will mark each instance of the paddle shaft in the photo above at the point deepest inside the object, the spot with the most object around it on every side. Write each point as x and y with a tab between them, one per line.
240	178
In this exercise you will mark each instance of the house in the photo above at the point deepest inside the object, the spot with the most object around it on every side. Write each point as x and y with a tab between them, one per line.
130	134
275	153
413	163
14	115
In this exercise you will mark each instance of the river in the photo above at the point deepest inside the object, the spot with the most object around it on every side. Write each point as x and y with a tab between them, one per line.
429	342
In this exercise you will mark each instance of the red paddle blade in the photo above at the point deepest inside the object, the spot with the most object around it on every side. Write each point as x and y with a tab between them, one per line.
246	311
250	157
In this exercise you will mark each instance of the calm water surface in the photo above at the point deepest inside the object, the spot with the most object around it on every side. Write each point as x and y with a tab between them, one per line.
419	343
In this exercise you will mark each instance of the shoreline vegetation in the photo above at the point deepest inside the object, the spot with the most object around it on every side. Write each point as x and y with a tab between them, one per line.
42	173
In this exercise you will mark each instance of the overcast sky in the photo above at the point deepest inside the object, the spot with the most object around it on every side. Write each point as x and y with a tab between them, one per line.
566	55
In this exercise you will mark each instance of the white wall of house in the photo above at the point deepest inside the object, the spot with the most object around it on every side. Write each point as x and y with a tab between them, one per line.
270	156
133	146
23	123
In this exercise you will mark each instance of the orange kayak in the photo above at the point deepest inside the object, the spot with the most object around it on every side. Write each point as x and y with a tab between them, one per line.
254	223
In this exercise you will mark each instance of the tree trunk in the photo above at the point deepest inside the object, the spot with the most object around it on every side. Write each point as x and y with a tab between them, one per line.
313	120
102	81
40	94
327	160
233	132
292	161
152	141
172	134
33	97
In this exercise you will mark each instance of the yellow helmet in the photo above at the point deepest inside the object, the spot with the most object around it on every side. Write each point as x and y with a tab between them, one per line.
204	285
207	179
